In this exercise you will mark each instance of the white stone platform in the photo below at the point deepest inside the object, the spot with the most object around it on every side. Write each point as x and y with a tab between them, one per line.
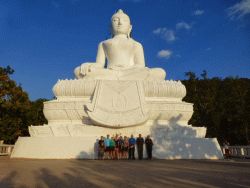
170	142
54	148
70	132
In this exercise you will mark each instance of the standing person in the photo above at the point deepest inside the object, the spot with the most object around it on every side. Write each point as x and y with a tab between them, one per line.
112	147
116	149
227	151
107	147
120	146
131	150
125	148
101	148
149	147
139	144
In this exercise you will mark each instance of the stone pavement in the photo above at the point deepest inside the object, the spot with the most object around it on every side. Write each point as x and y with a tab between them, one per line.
22	173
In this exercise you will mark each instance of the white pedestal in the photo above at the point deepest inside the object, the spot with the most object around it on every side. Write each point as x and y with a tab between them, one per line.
170	142
55	148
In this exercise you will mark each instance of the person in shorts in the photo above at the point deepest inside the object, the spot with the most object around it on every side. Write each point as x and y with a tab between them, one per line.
116	149
125	148
107	147
120	147
112	147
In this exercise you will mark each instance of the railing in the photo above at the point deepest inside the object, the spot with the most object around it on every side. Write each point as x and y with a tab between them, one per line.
6	149
236	151
228	151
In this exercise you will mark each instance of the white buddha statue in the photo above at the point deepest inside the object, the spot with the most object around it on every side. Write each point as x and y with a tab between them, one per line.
125	56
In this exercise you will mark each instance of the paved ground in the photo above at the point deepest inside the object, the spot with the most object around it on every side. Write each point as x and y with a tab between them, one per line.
21	173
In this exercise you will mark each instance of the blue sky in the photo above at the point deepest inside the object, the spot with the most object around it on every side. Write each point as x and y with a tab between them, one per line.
44	40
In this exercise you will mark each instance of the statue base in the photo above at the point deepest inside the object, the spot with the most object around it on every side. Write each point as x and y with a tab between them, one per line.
84	110
171	141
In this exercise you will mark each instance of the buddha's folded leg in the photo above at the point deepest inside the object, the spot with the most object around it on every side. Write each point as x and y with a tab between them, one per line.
77	73
96	73
134	74
157	74
130	74
143	74
102	74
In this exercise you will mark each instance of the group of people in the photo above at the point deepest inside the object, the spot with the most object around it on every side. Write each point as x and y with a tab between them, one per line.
123	147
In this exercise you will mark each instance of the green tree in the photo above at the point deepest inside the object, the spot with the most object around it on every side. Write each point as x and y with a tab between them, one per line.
221	105
17	112
14	103
35	113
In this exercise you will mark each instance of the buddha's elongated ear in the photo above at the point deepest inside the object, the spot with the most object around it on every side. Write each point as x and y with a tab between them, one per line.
111	31
129	32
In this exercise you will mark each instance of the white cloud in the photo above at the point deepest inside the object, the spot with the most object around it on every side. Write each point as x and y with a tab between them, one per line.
183	25
166	54
166	34
158	30
240	9
198	12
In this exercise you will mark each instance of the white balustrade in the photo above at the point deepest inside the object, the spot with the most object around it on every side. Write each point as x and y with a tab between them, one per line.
6	149
236	151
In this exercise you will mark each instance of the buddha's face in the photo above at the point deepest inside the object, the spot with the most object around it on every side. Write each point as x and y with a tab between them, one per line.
121	24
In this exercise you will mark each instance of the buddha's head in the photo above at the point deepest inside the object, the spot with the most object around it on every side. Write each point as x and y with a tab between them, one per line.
120	23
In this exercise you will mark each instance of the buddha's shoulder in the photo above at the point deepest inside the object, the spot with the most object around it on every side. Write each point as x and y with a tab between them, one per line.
130	40
136	43
106	41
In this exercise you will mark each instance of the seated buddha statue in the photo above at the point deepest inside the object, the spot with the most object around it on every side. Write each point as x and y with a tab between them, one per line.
124	56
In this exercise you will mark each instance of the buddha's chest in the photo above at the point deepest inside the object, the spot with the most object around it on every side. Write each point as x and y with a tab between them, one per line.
119	48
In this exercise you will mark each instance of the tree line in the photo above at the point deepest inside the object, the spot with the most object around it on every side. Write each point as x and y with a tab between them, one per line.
17	111
221	105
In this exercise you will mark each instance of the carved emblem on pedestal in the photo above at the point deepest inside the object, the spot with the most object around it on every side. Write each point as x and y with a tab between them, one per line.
118	104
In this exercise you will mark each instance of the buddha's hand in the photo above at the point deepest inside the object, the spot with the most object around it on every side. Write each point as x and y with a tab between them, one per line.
86	68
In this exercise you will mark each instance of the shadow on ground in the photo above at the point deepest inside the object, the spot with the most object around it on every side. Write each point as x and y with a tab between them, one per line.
94	173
